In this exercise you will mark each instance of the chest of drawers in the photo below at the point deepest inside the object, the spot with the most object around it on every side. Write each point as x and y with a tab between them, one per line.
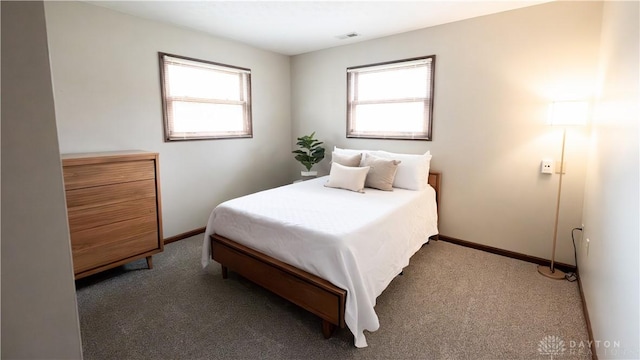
113	205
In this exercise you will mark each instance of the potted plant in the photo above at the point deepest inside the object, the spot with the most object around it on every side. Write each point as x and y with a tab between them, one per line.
309	154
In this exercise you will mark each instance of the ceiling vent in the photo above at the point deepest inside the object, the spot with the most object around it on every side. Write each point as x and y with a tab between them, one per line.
347	36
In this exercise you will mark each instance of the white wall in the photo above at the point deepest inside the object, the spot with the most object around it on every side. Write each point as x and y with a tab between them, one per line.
107	92
39	311
495	76
610	268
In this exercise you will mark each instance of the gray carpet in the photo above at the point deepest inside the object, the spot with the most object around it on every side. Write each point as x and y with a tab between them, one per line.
451	303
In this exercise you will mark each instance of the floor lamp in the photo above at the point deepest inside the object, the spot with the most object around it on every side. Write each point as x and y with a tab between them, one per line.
562	113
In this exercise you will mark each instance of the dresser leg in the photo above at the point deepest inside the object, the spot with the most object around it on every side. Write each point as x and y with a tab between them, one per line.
225	272
150	262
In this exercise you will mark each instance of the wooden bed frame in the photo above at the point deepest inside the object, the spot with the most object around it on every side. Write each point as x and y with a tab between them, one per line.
306	290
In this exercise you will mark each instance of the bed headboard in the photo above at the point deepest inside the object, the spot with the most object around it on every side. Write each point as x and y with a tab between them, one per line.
434	181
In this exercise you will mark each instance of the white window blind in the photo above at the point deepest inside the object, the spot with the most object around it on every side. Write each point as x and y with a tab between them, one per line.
391	100
204	100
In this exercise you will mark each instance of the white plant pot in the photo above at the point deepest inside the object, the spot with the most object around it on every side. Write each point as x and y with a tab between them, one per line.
309	173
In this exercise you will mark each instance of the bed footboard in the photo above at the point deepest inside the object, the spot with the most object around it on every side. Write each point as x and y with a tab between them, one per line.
306	290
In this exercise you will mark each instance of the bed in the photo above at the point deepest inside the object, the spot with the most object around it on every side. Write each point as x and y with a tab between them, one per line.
329	251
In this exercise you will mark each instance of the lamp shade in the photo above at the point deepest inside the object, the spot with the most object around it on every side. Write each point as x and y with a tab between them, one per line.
568	113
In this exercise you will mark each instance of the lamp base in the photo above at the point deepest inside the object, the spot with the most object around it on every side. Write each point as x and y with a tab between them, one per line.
546	271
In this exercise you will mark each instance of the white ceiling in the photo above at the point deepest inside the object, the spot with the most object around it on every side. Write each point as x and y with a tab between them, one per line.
296	27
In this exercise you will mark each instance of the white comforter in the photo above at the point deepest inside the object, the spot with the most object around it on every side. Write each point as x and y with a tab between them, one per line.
359	242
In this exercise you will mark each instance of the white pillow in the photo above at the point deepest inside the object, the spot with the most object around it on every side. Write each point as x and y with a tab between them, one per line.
345	177
348	151
413	171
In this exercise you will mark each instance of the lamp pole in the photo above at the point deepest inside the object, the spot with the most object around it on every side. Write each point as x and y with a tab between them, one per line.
551	271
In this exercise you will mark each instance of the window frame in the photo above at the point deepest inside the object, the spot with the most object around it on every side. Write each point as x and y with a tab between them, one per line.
396	135
170	135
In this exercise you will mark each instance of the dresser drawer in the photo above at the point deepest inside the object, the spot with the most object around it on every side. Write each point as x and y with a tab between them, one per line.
105	244
110	194
104	254
84	176
82	218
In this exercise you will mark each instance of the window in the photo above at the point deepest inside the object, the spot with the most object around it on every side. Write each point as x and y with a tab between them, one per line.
392	100
204	100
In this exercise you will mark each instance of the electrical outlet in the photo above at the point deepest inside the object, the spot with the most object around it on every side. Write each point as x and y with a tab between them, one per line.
546	166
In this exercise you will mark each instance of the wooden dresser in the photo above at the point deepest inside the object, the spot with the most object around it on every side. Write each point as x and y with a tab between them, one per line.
113	204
